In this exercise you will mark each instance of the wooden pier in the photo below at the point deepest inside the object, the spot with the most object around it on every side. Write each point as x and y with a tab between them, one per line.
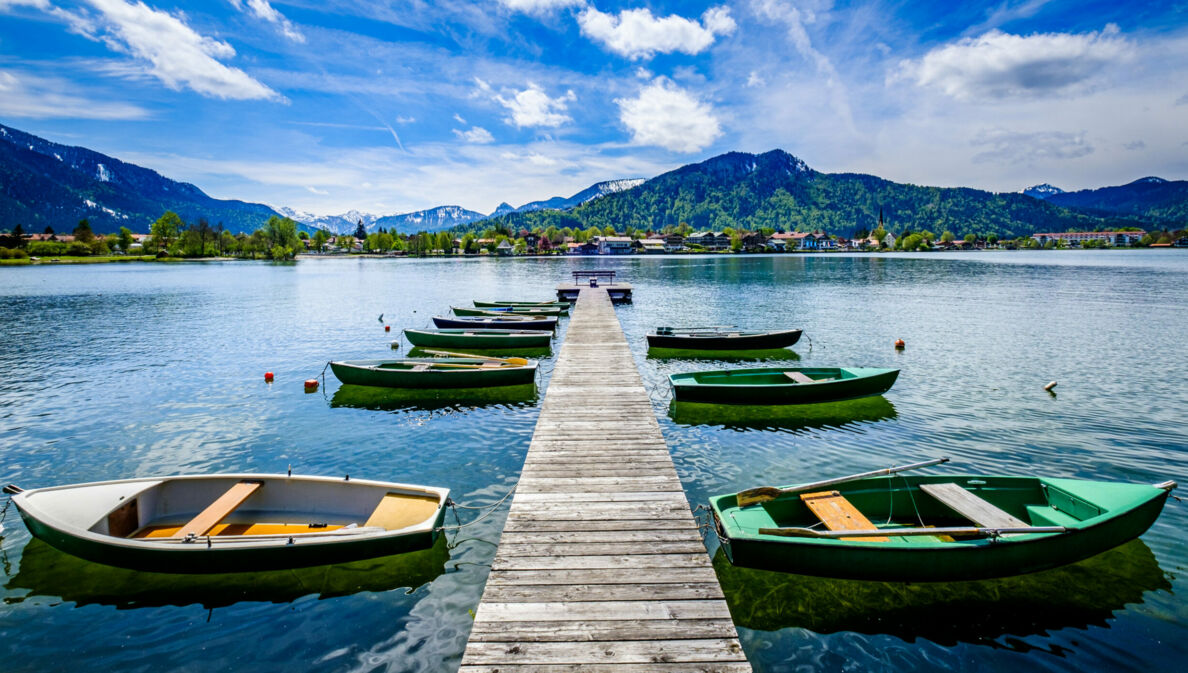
600	566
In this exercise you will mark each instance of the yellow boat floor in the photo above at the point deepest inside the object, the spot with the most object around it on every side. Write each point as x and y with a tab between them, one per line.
237	529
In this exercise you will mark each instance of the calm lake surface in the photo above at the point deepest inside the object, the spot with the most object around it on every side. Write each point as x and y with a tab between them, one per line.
115	371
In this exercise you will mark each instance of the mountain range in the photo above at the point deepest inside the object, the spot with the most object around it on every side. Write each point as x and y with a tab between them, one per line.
43	183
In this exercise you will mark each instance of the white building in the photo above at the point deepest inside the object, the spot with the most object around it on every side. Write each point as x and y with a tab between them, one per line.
1074	239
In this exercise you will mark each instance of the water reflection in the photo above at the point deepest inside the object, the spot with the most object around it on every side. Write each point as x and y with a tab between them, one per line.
1075	596
791	417
47	572
774	354
409	399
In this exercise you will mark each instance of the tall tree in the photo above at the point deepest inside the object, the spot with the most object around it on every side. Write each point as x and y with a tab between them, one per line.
83	232
166	229
361	231
125	239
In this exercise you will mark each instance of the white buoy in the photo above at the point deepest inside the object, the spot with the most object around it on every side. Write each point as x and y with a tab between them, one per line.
1050	386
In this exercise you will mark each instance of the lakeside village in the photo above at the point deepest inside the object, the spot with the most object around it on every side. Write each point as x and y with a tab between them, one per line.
280	238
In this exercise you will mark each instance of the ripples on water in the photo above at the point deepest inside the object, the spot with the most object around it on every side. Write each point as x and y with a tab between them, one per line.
119	371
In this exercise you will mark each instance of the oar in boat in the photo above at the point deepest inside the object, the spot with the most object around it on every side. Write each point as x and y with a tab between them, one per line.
760	494
883	532
519	362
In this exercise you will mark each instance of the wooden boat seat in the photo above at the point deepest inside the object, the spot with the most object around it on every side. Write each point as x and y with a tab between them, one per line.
491	365
220	509
799	377
970	506
421	367
837	513
401	510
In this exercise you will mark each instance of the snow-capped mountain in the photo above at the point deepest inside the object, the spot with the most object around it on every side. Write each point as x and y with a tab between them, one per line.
588	194
433	219
336	224
1043	191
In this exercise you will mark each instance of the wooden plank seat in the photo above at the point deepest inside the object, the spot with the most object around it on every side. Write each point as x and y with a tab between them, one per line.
799	377
401	510
970	506
420	368
220	509
837	513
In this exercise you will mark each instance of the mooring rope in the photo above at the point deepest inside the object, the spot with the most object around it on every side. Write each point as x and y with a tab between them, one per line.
490	509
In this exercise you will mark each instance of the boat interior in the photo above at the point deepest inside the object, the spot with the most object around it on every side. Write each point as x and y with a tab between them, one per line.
231	507
930	502
773	376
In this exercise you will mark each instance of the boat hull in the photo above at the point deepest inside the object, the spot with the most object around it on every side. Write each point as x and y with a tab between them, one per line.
369	373
479	338
770	386
549	323
239	553
505	310
716	342
563	306
930	559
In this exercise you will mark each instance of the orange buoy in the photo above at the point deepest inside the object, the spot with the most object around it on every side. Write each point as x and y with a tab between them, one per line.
899	344
268	377
311	385
387	328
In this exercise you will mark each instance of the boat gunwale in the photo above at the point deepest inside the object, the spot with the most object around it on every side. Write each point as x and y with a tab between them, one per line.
688	379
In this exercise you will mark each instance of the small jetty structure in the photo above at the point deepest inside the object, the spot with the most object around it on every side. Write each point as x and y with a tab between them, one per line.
600	565
618	292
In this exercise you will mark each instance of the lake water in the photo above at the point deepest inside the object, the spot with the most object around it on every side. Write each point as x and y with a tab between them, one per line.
117	371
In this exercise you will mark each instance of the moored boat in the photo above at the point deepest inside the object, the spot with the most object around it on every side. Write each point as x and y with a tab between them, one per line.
721	339
782	385
931	528
500	322
498	311
479	338
232	522
563	305
454	372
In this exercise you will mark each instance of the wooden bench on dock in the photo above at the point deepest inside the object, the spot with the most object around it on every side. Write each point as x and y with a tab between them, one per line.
837	513
220	509
970	506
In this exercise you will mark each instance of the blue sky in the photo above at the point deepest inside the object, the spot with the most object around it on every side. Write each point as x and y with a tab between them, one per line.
384	107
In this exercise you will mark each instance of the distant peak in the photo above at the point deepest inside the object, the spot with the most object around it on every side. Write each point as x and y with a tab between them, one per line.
1150	179
1042	191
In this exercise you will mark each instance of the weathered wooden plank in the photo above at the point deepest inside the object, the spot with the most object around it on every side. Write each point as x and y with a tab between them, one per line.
619	629
603	592
647	535
507	550
594	496
522	522
622	562
601	610
602	576
596	652
683	667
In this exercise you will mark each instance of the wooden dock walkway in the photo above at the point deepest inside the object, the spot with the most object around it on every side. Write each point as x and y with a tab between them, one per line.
600	566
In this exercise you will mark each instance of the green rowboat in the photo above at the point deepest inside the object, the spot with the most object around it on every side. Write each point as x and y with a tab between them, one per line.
563	305
932	528
436	372
483	339
782	385
506	310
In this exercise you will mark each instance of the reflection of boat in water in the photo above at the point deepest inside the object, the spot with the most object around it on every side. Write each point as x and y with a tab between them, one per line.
710	357
1080	595
45	571
783	417
400	399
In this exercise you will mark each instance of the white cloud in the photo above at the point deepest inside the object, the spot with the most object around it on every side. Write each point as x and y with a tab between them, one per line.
31	96
1000	66
167	49
533	107
263	10
476	134
1135	145
458	118
315	190
755	79
1018	147
405	120
637	33
539	6
666	115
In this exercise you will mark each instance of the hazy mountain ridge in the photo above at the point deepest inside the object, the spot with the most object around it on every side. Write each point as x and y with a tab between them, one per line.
43	183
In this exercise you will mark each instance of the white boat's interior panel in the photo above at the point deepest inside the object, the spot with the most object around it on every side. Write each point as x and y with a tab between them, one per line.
87	507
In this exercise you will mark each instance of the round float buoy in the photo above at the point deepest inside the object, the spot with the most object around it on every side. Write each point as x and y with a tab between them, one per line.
387	328
395	345
899	344
311	385
268	377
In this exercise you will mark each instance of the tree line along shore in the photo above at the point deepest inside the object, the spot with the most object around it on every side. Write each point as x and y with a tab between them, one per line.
280	238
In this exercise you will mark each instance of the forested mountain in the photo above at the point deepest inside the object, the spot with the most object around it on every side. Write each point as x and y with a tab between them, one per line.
777	190
1161	202
46	184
